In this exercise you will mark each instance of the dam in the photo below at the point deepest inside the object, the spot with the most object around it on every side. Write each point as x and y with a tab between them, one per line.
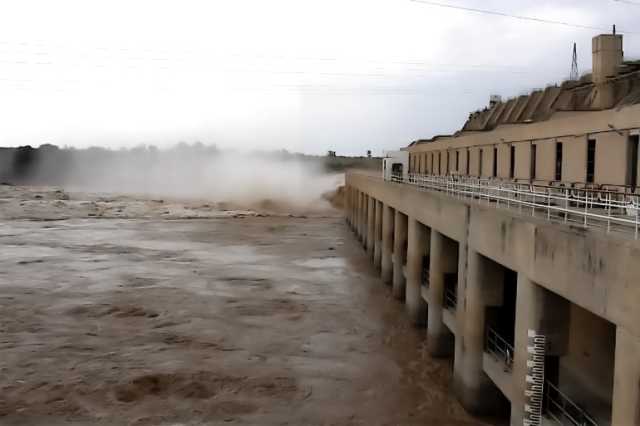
514	243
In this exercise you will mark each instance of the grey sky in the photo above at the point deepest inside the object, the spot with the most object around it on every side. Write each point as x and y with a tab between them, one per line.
305	75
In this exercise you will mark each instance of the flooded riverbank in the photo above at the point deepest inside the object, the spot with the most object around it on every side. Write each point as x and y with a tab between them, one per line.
240	318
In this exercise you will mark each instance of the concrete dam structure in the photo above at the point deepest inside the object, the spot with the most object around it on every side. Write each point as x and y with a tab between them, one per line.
515	242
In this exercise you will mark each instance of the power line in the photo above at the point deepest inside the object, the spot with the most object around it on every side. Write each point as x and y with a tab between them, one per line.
628	2
520	17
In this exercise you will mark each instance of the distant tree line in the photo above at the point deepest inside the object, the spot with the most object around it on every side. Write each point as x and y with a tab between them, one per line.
51	165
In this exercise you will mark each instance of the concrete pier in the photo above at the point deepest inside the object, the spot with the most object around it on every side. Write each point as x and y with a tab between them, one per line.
460	314
399	255
356	211
363	218
473	387
626	385
443	258
377	243
387	244
545	313
371	225
351	206
418	240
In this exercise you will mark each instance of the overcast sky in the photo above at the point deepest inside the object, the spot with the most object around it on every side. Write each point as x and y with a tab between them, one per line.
305	75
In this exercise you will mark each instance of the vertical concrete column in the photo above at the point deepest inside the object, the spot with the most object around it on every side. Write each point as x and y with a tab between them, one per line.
347	205
626	380
546	313
417	241
475	390
386	263
356	209
377	242
352	206
463	263
363	217
356	217
357	206
361	221
529	311
442	260
399	254
371	225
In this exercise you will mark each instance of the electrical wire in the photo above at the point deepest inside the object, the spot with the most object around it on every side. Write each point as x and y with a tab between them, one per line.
520	17
628	2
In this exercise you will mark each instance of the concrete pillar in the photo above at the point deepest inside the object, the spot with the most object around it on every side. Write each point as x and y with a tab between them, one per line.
347	205
443	259
386	263
363	217
356	217
626	380
356	213
529	311
371	225
399	255
474	389
418	240
463	261
354	210
546	313
377	241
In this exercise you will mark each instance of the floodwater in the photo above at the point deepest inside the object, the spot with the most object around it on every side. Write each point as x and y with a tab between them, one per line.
219	318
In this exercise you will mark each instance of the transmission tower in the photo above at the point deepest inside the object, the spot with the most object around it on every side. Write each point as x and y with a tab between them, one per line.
574	65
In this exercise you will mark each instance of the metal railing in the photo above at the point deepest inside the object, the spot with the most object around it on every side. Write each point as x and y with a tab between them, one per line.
499	348
588	207
450	299
397	177
562	410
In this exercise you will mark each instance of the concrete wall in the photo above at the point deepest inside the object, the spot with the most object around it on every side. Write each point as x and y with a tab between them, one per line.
546	160
574	158
610	128
611	158
504	152
522	160
591	352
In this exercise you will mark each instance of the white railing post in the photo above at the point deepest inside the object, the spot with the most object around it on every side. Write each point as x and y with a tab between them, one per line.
636	209
566	205
533	207
608	198
519	198
586	199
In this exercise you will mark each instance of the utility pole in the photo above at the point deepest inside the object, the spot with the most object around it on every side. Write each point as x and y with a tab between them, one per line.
574	65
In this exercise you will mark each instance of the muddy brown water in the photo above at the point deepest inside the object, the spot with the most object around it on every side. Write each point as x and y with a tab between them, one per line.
249	320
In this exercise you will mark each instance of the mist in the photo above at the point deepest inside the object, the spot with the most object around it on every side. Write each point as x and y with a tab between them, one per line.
272	180
243	179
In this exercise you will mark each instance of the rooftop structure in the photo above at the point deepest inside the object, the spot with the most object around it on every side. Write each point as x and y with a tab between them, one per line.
613	83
